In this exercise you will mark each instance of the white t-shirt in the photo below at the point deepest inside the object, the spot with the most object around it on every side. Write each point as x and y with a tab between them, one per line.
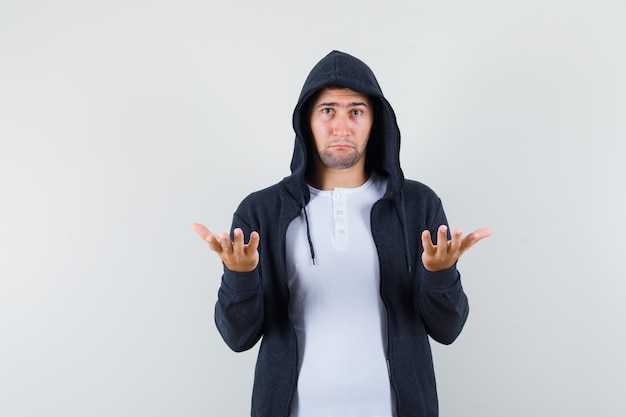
336	308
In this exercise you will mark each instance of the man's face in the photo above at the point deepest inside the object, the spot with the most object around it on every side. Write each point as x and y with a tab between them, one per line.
341	120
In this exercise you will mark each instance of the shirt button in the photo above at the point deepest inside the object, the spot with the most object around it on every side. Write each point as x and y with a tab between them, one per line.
341	231
338	195
339	212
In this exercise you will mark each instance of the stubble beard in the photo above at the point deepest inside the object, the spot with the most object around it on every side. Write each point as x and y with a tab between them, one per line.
340	160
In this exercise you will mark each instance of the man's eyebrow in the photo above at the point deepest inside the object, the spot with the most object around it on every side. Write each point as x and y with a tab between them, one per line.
334	104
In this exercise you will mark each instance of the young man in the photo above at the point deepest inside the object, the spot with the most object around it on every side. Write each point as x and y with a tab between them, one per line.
335	268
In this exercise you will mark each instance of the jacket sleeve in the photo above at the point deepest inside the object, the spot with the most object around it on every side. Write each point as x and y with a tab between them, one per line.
443	302
239	311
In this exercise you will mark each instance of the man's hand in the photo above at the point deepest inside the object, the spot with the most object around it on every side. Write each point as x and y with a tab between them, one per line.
237	256
446	252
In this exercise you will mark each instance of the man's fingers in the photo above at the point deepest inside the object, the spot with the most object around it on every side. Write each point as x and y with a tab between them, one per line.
239	244
224	246
201	230
446	252
427	242
225	243
442	236
482	233
237	240
475	236
457	240
206	235
253	244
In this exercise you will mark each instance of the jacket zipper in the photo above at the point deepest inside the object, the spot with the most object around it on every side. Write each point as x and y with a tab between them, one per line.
382	297
284	273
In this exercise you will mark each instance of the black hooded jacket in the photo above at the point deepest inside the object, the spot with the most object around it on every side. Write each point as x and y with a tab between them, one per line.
254	305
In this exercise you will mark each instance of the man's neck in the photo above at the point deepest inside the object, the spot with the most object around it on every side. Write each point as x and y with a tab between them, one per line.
326	178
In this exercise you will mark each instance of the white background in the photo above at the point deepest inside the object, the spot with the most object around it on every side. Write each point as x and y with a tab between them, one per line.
122	122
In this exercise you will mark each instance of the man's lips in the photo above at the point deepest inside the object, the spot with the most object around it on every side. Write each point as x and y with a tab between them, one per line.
341	146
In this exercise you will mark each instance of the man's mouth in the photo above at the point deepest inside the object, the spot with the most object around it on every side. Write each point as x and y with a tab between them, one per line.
342	145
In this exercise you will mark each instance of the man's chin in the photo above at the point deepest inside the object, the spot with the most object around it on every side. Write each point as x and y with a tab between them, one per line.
340	161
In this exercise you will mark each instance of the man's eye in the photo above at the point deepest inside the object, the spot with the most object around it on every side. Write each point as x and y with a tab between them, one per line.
357	112
327	111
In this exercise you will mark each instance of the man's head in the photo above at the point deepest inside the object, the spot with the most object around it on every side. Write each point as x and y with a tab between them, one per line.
377	144
341	120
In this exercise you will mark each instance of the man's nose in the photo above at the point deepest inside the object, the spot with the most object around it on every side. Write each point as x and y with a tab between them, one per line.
340	125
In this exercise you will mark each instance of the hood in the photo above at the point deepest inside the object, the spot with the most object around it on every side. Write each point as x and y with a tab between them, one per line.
383	149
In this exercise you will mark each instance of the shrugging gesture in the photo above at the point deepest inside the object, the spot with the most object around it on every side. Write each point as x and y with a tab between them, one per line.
446	252
236	255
